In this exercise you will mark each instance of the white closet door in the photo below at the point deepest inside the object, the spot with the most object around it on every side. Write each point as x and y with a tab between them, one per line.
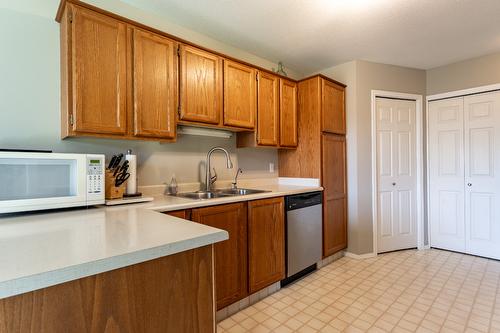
446	174
482	174
397	178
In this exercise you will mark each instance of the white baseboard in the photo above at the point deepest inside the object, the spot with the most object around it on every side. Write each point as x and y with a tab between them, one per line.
360	256
424	247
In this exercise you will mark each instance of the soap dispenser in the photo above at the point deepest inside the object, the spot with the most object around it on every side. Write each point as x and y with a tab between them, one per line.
172	187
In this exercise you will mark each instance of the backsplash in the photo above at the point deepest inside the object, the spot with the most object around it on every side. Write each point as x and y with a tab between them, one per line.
158	162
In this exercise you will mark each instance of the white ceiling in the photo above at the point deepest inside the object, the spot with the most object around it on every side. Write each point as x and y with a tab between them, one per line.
310	35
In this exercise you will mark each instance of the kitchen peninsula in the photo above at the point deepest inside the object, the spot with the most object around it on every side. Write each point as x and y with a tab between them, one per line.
127	269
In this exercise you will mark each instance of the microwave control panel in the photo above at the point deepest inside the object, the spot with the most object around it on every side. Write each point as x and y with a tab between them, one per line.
95	177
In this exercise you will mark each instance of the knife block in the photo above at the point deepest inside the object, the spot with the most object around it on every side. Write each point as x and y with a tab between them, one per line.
111	191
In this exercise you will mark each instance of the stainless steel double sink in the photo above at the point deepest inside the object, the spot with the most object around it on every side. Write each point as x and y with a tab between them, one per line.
230	192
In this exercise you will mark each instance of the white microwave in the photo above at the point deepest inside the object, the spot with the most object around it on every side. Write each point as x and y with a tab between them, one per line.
38	181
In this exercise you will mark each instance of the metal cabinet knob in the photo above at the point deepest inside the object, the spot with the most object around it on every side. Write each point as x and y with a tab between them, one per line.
469	184
393	184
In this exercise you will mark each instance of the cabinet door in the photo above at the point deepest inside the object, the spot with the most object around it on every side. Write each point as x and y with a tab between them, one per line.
288	113
230	255
266	242
98	62
332	107
154	85
201	86
240	95
482	174
268	110
446	174
335	194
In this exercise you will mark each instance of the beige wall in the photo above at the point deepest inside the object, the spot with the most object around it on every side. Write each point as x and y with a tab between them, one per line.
368	76
30	94
362	77
470	73
372	76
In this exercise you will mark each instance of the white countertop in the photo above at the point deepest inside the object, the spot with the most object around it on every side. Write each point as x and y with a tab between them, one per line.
38	250
166	203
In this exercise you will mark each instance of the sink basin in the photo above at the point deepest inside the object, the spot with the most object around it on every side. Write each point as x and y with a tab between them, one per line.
240	191
229	192
202	195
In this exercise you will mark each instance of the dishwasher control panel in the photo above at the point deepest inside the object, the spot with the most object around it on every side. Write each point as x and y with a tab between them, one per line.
303	200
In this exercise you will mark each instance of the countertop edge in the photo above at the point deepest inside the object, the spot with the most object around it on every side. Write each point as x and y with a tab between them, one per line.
194	203
47	279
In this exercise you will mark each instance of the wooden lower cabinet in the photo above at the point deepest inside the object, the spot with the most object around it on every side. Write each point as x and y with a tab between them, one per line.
231	255
168	294
334	178
183	214
266	242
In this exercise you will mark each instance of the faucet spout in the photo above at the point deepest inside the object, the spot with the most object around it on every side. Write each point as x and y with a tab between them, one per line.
229	165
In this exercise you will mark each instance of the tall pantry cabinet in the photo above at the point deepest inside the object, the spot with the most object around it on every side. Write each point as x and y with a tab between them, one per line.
322	153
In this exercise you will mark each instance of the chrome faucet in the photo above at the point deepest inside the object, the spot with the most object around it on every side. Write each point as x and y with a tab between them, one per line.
234	185
208	178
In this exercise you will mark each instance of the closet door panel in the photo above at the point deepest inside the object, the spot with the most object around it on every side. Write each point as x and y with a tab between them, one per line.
446	174
482	174
396	177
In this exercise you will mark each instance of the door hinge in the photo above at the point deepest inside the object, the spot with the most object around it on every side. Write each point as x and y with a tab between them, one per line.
256	76
179	110
70	17
178	50
71	119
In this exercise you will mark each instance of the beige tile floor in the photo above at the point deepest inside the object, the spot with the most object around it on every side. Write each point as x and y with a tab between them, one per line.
407	291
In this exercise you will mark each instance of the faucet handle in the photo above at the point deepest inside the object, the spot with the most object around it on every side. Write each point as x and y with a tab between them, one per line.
234	184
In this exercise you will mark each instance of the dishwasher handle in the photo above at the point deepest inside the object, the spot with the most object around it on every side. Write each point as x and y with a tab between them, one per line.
303	200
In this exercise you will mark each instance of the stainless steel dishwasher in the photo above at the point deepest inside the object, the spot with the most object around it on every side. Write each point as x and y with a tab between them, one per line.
304	234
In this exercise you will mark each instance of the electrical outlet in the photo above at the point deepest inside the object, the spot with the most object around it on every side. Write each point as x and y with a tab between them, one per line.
271	167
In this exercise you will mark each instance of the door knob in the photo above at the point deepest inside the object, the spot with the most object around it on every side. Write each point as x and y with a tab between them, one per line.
393	184
469	184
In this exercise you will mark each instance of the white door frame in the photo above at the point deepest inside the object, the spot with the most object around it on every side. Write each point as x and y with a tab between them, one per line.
419	155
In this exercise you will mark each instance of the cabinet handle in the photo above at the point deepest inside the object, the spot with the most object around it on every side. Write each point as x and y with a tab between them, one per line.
393	184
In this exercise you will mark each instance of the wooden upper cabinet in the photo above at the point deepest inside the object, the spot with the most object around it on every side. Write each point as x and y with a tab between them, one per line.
201	85
288	113
266	242
334	180
268	110
154	85
332	108
231	279
97	58
240	95
122	79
